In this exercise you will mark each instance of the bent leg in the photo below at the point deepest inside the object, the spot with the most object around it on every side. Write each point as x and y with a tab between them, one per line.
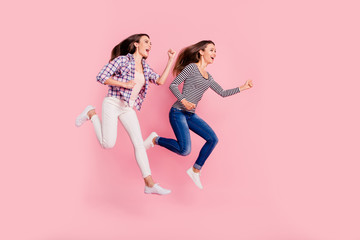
201	128
106	132
182	144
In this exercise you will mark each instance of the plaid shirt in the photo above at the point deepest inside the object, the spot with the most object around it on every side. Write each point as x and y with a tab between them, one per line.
122	69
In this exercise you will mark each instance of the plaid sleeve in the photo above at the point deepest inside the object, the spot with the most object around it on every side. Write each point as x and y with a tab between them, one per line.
153	76
109	69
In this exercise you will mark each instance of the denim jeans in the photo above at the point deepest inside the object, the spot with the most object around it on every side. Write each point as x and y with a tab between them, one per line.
181	122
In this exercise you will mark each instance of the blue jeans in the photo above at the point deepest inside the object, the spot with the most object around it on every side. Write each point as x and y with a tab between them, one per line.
181	122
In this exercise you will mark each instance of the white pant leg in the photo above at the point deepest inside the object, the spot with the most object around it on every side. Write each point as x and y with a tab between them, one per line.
106	132
130	122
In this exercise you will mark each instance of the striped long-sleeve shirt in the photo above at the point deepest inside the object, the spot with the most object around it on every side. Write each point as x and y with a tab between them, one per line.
195	86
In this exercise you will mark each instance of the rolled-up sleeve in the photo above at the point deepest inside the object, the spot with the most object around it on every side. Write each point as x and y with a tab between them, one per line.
153	76
109	69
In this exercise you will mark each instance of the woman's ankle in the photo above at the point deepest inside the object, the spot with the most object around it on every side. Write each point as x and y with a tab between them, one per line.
91	113
149	182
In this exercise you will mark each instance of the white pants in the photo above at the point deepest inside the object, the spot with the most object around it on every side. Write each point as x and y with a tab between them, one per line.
112	109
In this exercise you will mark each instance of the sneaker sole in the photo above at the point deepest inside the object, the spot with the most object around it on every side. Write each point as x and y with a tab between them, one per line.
156	193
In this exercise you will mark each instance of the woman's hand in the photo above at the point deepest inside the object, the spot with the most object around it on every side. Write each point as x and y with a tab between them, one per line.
130	84
188	105
161	80
248	84
171	54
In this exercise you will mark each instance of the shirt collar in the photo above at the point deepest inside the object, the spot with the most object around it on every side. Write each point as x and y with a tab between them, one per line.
131	57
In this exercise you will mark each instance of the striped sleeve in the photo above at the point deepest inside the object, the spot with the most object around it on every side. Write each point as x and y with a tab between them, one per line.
174	86
109	69
219	90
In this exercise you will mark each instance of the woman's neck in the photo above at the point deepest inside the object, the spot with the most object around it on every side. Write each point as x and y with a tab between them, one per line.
202	64
137	57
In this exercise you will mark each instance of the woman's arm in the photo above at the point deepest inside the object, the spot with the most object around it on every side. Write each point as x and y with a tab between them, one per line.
174	86
110	81
225	93
161	80
106	73
109	69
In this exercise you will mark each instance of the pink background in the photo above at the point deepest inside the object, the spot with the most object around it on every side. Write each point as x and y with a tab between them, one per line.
287	163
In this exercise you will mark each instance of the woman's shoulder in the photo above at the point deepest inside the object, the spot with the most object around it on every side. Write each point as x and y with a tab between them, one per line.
190	67
122	58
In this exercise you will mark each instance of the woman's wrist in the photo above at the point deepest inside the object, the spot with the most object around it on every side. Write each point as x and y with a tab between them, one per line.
170	60
242	88
122	84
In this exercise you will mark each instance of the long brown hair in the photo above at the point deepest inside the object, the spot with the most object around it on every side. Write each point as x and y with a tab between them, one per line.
126	46
190	54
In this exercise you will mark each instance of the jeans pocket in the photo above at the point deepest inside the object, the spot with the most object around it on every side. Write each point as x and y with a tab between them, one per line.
174	110
175	113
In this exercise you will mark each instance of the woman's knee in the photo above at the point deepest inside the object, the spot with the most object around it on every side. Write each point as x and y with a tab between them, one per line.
186	150
139	146
213	140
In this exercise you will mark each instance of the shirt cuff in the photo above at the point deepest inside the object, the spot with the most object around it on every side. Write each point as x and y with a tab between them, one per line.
103	79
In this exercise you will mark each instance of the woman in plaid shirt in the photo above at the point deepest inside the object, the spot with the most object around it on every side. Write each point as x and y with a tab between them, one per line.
128	77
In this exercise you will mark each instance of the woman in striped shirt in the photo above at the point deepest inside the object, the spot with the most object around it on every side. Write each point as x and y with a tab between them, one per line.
128	77
190	69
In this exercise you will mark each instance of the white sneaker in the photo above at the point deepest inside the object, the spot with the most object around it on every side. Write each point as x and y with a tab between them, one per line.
195	177
156	189
83	117
148	143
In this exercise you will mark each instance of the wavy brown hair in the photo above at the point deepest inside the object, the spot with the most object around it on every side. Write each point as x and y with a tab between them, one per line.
190	54
126	46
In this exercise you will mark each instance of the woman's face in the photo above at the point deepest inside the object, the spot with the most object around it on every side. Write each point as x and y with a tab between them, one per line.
143	46
209	53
